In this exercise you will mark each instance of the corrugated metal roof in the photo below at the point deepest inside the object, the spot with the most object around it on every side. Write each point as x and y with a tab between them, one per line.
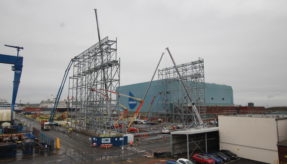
196	130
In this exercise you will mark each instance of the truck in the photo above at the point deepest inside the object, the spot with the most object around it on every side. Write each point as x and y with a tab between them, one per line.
45	125
179	161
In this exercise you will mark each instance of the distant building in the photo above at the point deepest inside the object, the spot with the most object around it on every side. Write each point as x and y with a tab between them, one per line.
4	104
50	104
47	103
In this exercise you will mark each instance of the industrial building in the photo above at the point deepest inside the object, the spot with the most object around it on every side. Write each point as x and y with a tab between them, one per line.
168	97
161	94
253	137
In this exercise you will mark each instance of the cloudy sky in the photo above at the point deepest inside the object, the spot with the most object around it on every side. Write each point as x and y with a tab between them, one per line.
243	42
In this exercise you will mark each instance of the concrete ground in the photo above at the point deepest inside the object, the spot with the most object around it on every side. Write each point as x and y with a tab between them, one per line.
76	148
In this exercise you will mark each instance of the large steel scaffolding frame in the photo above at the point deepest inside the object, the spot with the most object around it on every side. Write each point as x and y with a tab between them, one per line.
98	67
193	76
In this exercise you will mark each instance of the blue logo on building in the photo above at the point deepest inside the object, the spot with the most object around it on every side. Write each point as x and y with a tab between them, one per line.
132	103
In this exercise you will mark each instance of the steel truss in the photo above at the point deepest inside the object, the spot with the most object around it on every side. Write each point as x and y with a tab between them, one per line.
177	105
92	70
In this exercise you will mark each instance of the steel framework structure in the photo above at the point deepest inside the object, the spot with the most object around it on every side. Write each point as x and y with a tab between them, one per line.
193	76
98	67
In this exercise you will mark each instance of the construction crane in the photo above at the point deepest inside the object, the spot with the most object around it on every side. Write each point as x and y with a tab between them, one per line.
136	113
47	125
194	109
59	93
17	65
150	106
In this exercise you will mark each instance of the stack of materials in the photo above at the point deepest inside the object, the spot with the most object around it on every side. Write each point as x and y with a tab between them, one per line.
8	150
28	147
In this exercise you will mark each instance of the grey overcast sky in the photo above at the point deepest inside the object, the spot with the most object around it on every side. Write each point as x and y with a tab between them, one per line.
243	42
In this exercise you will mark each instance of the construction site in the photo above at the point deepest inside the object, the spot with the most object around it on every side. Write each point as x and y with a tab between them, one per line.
175	116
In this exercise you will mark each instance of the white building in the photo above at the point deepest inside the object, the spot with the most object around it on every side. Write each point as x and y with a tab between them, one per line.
253	137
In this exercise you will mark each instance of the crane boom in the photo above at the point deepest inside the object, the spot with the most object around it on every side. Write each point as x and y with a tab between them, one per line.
146	92
57	99
194	109
150	106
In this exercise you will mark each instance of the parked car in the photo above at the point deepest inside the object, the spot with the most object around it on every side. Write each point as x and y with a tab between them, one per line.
217	159
224	157
201	158
215	154
151	123
165	131
138	121
179	161
230	154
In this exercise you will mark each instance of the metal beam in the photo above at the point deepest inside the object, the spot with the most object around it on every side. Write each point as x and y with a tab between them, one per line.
101	49
146	92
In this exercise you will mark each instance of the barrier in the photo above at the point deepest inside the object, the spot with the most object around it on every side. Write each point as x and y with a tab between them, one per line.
109	141
44	139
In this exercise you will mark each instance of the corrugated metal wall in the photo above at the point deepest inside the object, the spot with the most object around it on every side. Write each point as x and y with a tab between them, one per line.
253	138
216	94
172	92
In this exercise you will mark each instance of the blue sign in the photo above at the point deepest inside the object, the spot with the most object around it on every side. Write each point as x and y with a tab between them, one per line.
132	103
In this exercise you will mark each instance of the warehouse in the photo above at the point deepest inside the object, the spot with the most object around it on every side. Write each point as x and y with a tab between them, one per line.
253	137
164	93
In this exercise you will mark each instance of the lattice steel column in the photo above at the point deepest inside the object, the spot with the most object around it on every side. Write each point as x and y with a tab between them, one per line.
93	110
194	78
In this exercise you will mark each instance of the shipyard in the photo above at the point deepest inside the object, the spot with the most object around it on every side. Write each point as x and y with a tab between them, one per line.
145	82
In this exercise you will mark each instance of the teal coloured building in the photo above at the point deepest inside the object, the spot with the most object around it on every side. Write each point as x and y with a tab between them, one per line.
164	93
